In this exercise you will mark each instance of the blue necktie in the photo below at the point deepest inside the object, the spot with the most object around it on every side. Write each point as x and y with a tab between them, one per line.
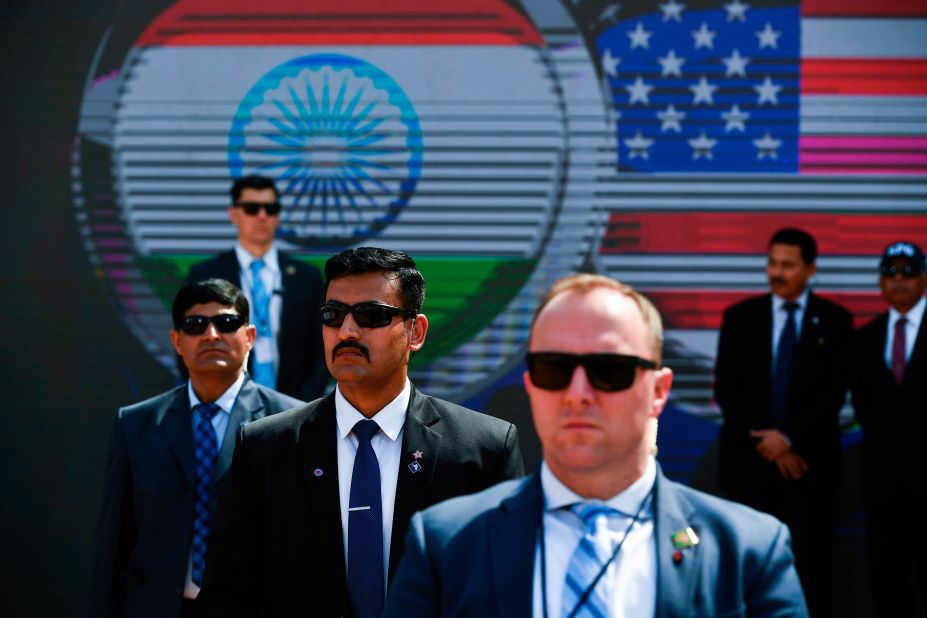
782	375
593	551
262	372
206	451
365	528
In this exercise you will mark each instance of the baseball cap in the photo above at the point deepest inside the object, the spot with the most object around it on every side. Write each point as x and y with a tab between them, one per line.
906	250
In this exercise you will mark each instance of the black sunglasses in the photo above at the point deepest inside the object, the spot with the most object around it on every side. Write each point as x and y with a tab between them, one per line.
553	371
367	315
908	270
253	208
224	322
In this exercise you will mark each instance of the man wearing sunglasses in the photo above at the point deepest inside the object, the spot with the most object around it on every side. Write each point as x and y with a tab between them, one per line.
318	500
781	380
166	456
889	387
598	531
284	293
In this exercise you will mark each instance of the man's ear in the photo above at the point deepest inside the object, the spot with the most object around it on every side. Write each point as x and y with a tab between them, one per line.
176	336
418	331
251	334
662	382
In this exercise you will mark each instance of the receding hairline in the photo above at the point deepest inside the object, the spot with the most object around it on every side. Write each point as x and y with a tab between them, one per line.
586	283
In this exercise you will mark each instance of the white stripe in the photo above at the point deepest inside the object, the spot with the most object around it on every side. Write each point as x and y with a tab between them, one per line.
863	38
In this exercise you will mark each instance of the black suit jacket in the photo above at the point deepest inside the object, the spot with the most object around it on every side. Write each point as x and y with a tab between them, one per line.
302	372
276	547
146	523
475	556
743	387
893	416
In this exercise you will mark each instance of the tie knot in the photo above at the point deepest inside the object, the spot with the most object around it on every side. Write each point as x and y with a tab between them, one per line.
365	430
791	307
207	410
590	512
256	266
902	321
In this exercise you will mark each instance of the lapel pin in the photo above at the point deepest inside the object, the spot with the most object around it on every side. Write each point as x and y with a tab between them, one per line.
290	270
318	472
415	466
684	539
815	319
417	455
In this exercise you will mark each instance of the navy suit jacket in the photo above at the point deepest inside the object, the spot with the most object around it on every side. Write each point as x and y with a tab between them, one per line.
743	389
146	523
474	556
276	547
301	371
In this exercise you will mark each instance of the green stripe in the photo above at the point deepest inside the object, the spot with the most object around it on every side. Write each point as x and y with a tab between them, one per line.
463	294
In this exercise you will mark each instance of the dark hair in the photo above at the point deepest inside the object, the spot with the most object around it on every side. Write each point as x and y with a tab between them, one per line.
800	238
374	259
208	291
254	181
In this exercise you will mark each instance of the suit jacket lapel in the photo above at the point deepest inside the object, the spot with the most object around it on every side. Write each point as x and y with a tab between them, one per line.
675	578
318	453
177	425
246	409
918	352
420	437
512	536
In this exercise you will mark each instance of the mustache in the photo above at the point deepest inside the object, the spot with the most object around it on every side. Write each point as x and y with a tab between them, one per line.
777	281
352	344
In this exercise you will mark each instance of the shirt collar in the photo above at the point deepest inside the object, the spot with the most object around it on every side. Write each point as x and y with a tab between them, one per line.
245	258
557	495
226	401
914	316
802	301
390	419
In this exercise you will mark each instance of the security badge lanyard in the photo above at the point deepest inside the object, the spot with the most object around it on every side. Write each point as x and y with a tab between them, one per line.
585	595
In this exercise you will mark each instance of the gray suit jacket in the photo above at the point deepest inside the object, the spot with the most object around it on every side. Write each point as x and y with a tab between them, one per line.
146	523
474	556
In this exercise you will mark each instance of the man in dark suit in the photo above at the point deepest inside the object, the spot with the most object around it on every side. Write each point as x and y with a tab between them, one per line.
598	531
317	500
166	455
780	379
889	387
284	293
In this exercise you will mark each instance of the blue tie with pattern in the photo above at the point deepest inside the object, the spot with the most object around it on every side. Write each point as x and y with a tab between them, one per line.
206	451
262	372
365	528
782	375
593	551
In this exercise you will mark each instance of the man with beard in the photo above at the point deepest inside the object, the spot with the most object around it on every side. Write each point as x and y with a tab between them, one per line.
889	386
166	456
780	380
318	500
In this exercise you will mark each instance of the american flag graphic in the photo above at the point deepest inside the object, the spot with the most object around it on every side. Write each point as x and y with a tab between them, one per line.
736	118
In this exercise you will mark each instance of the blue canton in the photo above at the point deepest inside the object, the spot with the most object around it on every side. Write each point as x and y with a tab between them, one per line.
708	90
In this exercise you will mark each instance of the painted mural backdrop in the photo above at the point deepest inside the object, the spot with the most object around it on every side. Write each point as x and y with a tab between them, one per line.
505	144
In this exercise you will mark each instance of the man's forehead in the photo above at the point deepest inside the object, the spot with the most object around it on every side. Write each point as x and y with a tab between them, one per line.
378	286
600	315
210	308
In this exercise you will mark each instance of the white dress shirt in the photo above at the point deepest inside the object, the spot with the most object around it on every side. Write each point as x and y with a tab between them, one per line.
632	575
914	317
387	445
220	422
780	316
273	283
